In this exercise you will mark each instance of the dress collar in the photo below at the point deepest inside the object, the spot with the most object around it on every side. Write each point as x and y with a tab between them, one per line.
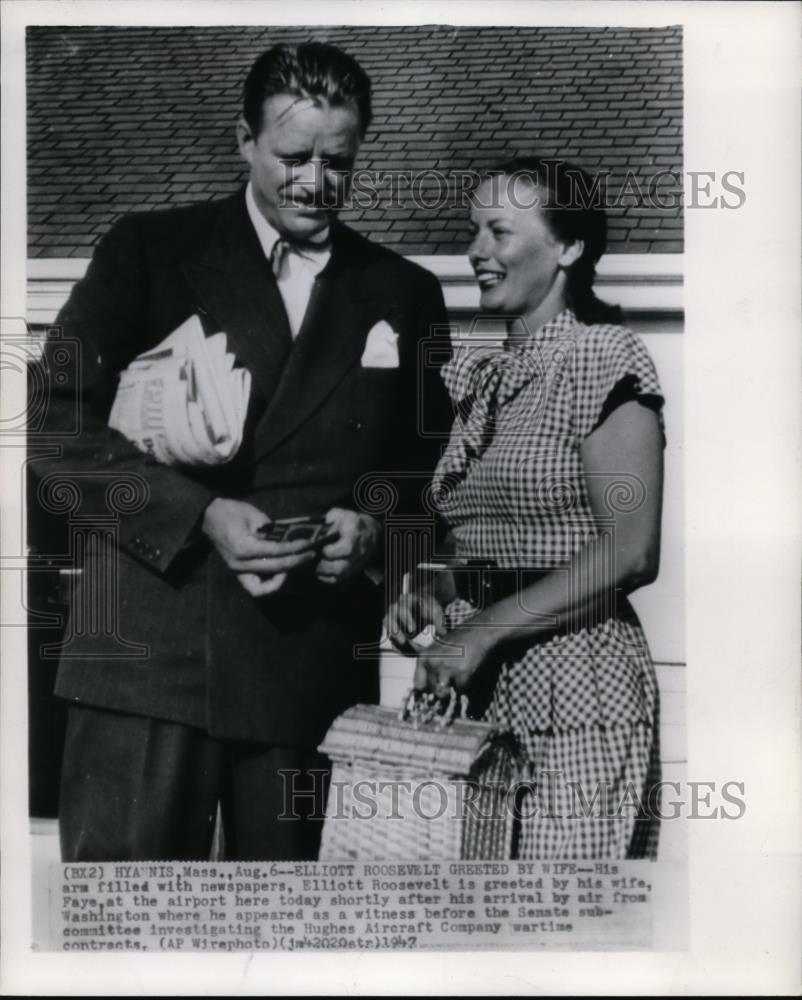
562	323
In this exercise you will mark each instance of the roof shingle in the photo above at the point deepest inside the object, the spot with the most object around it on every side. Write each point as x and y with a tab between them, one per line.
143	117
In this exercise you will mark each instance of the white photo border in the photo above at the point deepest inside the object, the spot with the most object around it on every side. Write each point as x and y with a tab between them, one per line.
742	373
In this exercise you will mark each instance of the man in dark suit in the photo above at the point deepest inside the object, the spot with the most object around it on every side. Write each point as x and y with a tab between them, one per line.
249	643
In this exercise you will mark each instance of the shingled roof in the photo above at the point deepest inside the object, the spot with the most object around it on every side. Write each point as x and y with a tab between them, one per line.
123	119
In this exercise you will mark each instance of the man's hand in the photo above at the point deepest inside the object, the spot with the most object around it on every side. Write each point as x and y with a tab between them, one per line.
261	566
353	549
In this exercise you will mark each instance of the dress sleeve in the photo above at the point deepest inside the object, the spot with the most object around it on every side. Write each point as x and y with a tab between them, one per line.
611	367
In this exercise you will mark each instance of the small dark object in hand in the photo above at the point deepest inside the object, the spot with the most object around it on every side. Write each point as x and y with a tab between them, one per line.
315	530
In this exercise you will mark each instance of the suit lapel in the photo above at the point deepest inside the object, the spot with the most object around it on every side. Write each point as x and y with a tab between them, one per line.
331	340
237	290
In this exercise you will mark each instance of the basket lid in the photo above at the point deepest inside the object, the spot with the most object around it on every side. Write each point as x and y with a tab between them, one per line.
376	733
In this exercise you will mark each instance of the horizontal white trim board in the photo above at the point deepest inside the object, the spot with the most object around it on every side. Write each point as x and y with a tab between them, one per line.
637	282
645	283
56	268
635	267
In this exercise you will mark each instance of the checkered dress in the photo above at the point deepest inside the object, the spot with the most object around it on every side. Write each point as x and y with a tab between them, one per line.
512	486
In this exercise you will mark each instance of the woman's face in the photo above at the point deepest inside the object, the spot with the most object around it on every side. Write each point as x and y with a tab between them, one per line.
517	260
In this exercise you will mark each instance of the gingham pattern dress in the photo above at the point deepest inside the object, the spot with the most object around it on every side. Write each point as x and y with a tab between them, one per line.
584	705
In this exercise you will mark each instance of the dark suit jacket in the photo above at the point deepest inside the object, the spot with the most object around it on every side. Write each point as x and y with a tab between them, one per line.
277	669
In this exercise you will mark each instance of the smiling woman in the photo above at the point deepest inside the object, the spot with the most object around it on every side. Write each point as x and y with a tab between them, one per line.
553	478
537	234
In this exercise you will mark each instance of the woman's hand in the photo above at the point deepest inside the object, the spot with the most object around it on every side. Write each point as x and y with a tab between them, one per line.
451	660
409	616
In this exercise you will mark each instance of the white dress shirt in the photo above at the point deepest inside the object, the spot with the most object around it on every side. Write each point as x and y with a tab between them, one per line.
299	268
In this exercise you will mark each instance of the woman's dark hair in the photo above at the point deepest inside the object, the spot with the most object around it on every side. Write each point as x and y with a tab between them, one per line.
573	211
313	69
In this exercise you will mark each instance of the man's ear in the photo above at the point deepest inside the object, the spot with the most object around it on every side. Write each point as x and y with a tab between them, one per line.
571	253
245	140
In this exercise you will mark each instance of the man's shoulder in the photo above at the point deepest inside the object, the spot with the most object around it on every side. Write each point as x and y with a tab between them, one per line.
381	259
176	223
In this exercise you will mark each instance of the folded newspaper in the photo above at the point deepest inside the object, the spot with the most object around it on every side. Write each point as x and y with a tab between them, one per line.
184	402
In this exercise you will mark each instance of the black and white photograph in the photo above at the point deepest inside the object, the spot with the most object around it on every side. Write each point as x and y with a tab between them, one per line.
356	595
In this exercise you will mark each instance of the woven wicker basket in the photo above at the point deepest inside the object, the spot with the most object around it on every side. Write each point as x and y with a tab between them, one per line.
413	790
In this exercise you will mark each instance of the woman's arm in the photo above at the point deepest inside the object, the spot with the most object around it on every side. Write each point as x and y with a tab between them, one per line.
629	444
627	448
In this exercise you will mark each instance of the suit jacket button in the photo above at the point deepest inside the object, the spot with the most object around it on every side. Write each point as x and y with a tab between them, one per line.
354	424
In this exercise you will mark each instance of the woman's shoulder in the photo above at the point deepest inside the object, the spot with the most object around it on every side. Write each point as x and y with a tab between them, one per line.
609	344
610	362
604	336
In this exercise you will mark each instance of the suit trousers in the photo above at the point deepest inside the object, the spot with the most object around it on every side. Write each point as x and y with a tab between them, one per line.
137	788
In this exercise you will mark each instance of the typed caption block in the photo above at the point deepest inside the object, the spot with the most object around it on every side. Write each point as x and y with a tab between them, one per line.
367	906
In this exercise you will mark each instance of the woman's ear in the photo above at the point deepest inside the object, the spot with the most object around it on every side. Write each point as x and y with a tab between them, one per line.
571	253
245	140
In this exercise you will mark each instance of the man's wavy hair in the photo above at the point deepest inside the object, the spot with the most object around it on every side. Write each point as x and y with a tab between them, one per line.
572	206
313	69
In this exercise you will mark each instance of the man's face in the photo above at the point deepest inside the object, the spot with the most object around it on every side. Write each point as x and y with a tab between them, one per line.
301	163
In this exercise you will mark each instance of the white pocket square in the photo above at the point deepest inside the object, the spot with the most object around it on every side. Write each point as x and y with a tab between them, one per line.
381	347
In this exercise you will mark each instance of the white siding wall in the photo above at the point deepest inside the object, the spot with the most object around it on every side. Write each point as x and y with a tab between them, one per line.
649	287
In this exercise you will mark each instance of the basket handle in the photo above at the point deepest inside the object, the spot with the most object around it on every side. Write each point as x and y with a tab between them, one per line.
420	707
